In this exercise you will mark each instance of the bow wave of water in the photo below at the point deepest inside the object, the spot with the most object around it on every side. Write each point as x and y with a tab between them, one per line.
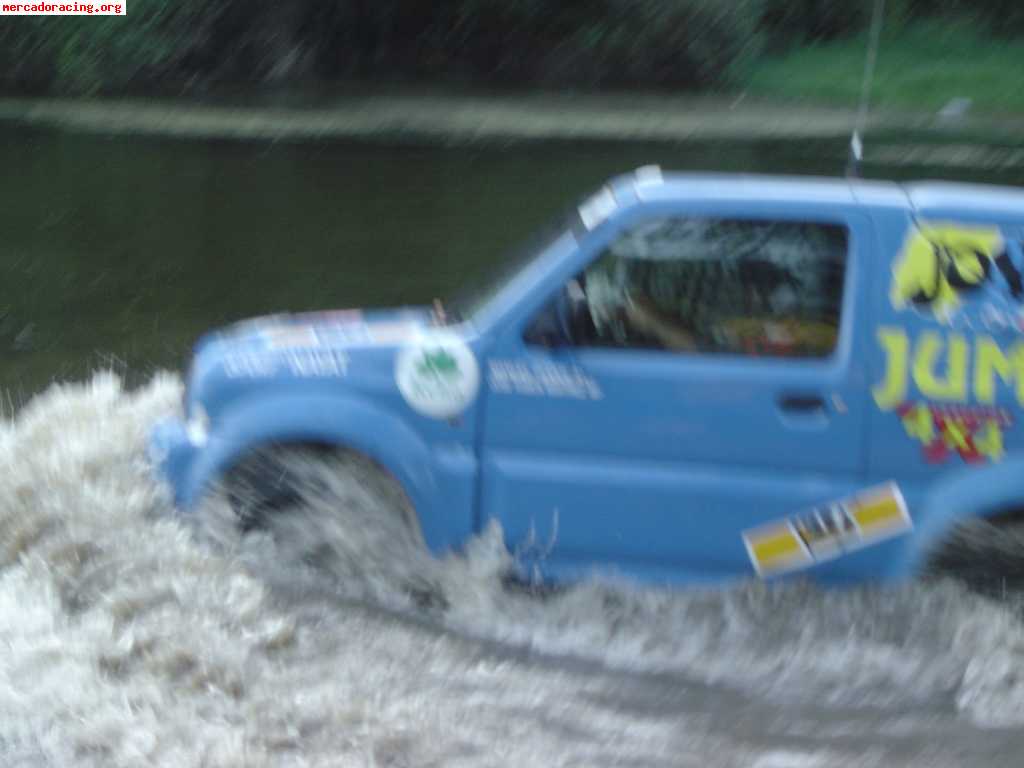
131	636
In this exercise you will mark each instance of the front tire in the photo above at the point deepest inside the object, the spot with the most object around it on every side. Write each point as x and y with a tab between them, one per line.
275	478
339	513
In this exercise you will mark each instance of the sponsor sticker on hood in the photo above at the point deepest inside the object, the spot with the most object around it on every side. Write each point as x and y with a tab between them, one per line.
357	334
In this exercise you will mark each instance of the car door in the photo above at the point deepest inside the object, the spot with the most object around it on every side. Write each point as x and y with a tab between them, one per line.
946	387
714	382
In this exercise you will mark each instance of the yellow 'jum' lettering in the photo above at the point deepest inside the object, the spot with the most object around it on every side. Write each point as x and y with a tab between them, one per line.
893	389
954	387
990	361
921	363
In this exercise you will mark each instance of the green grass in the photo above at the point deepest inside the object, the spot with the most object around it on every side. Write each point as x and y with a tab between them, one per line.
920	66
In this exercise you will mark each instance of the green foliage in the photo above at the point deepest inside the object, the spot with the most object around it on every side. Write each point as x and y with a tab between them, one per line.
178	45
83	55
572	42
799	22
684	42
170	45
789	22
923	64
159	44
1003	17
695	43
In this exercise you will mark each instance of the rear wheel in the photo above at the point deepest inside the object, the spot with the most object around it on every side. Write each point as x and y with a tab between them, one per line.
986	554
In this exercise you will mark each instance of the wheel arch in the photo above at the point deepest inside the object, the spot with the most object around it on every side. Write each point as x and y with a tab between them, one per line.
342	422
993	492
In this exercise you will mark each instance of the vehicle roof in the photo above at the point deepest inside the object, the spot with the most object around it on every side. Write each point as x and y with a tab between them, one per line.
950	196
920	195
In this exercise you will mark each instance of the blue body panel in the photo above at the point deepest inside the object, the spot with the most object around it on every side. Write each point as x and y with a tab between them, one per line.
649	463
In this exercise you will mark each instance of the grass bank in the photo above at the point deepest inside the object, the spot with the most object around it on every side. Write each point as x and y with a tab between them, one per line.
921	66
446	117
469	117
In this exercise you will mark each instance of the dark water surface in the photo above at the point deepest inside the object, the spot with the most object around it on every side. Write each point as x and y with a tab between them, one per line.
118	252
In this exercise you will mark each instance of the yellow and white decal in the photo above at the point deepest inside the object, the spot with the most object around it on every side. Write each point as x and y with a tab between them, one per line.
828	532
940	261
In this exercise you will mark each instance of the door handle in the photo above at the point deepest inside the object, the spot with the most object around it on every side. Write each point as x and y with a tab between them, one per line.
802	403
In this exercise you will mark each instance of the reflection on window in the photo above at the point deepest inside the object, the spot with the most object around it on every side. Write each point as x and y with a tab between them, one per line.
719	286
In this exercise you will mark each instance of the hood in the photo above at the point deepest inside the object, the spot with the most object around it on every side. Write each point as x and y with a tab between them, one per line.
342	328
356	346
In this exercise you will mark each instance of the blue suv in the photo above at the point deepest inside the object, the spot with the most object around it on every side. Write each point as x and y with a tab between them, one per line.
688	379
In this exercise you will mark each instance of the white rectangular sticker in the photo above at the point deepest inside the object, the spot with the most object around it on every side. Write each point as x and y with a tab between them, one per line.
829	531
541	379
290	336
598	208
393	332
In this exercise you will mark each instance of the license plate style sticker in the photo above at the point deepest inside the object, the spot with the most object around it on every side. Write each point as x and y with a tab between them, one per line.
828	531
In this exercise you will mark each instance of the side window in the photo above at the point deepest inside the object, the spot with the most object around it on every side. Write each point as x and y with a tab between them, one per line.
718	286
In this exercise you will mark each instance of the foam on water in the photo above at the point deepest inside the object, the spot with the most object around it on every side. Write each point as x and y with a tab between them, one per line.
130	637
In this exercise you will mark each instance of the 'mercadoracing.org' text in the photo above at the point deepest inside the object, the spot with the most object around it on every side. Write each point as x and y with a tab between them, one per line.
62	9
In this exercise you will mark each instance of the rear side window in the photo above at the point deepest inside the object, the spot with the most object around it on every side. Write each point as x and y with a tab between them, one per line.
719	286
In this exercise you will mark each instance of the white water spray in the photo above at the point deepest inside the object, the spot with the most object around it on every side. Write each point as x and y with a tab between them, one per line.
132	638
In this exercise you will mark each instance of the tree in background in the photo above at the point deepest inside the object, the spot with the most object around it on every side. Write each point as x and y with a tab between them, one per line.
182	45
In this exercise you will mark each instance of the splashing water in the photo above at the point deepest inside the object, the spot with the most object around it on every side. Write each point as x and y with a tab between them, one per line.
131	636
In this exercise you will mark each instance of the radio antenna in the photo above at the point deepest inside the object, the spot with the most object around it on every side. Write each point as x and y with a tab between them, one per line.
860	123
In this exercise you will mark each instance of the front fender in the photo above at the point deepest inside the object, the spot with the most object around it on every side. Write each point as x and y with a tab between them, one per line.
970	493
343	420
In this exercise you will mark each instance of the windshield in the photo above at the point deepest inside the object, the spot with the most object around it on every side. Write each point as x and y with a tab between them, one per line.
492	280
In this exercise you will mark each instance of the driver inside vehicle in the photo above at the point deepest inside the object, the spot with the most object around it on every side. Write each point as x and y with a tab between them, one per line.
623	313
711	286
644	317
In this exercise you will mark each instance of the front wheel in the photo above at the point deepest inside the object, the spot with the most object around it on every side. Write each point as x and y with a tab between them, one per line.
338	512
279	477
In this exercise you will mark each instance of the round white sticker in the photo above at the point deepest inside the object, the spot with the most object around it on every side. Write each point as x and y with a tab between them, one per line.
437	375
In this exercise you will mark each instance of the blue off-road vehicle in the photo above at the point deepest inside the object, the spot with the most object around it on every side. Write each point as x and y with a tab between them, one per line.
692	378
